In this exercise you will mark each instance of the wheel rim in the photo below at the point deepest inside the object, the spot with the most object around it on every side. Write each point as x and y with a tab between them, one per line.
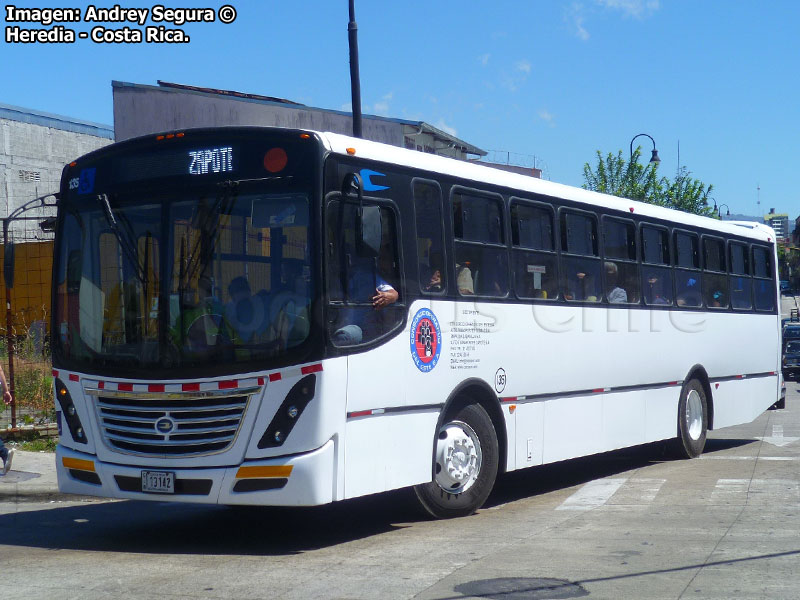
458	457
694	415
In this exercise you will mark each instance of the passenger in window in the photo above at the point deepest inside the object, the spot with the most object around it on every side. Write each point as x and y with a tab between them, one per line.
464	281
614	293
366	285
582	288
434	278
655	291
716	299
690	295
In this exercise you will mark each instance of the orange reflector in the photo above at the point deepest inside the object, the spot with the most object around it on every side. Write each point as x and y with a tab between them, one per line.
78	464
512	408
170	136
73	163
351	150
159	137
304	136
180	134
261	472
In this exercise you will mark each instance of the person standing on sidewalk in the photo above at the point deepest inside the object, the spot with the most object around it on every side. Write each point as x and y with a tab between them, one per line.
6	454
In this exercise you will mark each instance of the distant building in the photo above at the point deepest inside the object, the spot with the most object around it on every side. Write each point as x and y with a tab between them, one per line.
780	223
144	109
35	146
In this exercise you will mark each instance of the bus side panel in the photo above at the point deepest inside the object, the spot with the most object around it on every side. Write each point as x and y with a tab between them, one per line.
742	400
623	420
388	451
661	413
573	427
530	439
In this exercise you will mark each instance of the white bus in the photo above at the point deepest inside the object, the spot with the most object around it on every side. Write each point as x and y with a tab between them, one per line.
284	317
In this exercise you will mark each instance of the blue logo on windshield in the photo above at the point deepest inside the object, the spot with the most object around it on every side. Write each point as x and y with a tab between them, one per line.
86	183
369	185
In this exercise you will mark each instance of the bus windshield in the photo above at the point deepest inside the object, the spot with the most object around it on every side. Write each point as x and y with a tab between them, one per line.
185	280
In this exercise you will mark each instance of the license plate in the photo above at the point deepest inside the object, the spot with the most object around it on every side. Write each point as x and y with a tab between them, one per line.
158	482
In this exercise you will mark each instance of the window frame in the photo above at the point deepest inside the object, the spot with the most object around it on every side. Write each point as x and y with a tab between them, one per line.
552	210
636	260
329	305
730	244
445	245
770	254
565	255
504	231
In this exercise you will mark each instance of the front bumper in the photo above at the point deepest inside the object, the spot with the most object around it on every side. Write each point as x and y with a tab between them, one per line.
306	479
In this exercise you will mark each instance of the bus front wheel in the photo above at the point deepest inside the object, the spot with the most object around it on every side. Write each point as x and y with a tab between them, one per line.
465	464
692	420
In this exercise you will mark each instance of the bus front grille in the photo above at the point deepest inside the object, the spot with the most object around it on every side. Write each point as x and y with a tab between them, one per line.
171	425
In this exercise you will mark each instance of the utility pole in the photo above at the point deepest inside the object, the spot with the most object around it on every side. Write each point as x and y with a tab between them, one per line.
355	79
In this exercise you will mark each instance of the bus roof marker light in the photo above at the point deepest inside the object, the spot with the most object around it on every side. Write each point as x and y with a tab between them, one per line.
351	151
631	209
305	136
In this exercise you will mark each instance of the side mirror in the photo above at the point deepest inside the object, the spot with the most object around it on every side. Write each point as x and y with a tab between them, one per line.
368	219
8	265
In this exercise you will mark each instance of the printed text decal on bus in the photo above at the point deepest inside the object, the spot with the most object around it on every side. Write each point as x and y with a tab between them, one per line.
426	341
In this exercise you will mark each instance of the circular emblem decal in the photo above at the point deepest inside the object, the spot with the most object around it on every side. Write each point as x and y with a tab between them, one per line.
165	425
426	340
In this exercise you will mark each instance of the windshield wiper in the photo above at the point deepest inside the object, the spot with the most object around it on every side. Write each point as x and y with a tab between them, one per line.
125	243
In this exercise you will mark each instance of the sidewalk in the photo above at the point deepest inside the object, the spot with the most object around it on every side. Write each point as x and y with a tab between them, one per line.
32	478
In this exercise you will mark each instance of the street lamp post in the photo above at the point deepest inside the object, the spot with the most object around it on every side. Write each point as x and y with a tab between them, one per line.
654	157
719	210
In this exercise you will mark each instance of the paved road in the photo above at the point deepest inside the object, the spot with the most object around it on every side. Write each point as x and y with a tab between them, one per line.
629	524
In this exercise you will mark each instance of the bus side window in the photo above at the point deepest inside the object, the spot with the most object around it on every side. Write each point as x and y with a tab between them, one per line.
656	272
715	279
353	280
740	281
535	261
621	269
687	272
481	258
580	259
430	237
763	279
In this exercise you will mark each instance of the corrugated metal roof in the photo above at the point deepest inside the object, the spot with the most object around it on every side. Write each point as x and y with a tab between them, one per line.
424	127
36	117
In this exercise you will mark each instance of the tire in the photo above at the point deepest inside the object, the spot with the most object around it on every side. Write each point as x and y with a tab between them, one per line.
692	420
466	457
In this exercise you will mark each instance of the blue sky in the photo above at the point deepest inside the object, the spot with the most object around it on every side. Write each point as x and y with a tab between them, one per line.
554	80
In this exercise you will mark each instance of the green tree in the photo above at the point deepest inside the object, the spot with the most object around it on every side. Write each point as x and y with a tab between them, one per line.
629	179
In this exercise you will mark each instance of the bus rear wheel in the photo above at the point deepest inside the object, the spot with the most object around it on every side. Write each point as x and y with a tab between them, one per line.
692	420
465	464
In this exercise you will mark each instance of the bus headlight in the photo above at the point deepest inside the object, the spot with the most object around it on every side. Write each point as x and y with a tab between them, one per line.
289	412
70	414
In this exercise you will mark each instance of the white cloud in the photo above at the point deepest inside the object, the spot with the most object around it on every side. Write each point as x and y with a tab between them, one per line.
382	107
575	16
484	59
440	124
637	9
547	117
524	66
